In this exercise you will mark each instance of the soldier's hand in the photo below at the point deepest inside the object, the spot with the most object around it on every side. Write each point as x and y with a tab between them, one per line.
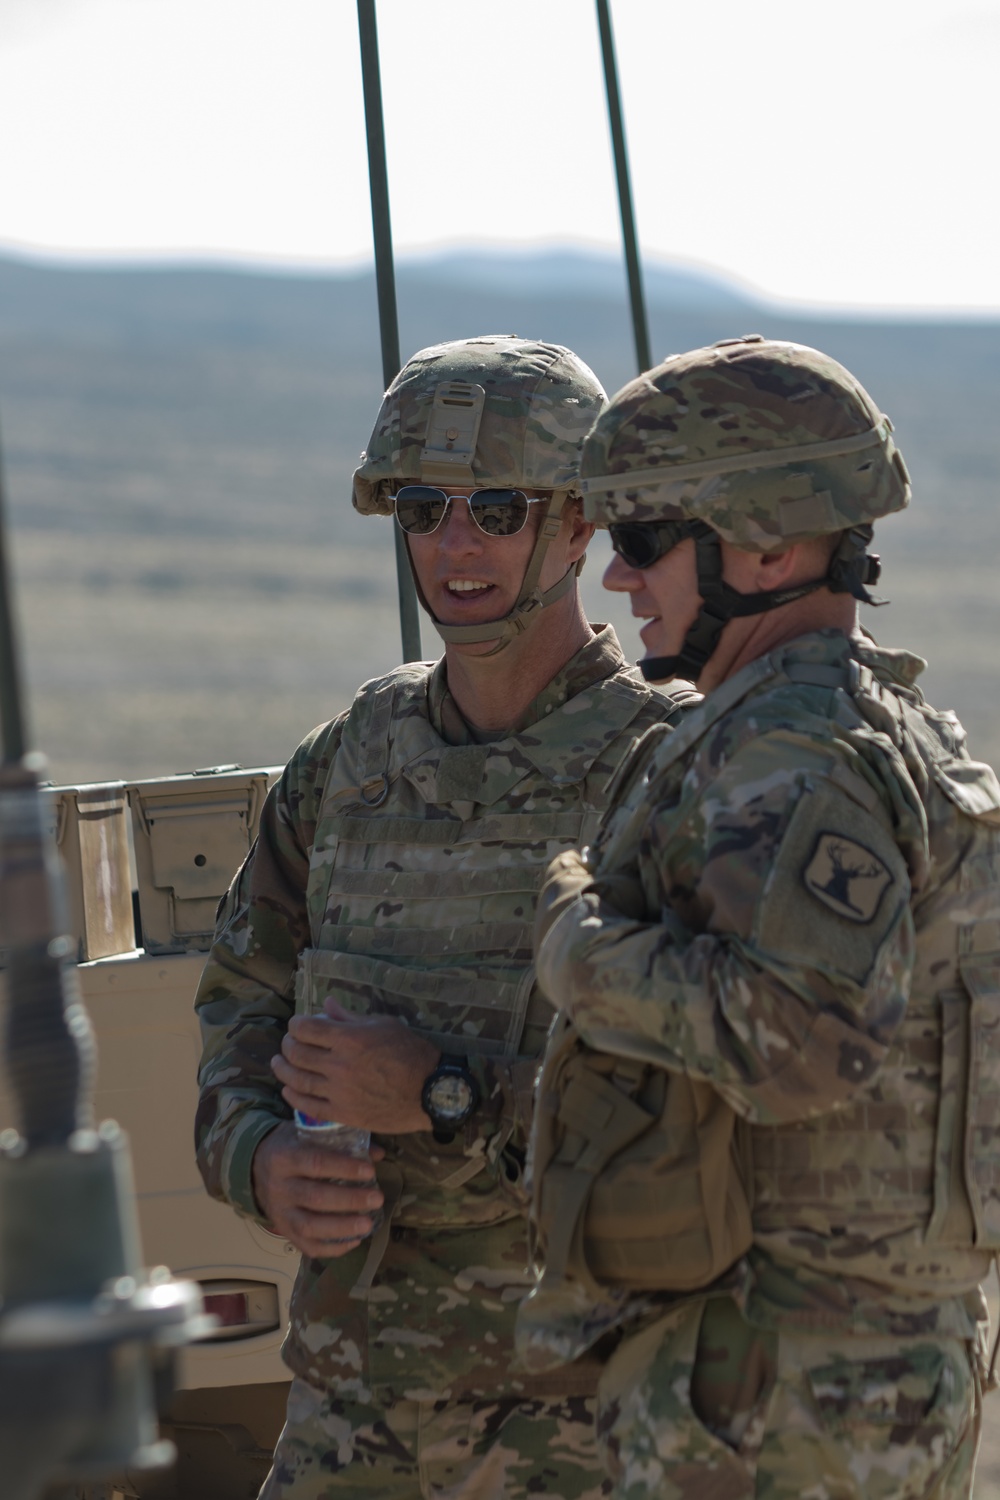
293	1186
565	878
360	1070
568	875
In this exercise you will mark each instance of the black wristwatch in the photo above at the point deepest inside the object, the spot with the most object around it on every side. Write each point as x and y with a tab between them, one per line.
450	1095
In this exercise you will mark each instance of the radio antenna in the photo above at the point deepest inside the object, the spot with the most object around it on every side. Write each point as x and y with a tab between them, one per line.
385	283
640	323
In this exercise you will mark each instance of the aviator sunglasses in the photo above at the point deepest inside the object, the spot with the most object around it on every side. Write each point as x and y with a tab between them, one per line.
420	509
642	543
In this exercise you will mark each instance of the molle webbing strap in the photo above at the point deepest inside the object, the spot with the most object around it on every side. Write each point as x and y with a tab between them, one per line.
564	1198
390	1180
374	767
738	463
431	942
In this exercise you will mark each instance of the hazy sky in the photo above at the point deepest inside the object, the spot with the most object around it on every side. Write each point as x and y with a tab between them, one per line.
834	153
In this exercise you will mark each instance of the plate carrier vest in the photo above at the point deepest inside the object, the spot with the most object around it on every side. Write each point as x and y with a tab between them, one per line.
424	873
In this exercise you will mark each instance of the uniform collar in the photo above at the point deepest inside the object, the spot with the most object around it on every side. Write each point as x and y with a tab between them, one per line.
600	658
889	662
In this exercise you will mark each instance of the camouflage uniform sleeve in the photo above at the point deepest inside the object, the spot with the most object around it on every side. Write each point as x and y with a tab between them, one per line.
246	997
780	964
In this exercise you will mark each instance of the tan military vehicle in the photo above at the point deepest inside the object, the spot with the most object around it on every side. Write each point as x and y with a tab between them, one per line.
147	865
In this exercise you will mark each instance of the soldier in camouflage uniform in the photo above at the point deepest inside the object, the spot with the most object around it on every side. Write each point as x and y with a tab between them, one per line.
389	902
792	909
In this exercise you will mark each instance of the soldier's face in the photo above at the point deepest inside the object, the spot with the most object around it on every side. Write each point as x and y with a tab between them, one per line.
468	577
664	595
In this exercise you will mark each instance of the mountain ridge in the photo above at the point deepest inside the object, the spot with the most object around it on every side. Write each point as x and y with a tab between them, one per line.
568	271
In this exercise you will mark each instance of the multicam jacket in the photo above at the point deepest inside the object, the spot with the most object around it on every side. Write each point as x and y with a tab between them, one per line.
815	862
397	867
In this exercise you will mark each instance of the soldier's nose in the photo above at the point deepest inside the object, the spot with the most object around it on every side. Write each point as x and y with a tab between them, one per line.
458	529
619	577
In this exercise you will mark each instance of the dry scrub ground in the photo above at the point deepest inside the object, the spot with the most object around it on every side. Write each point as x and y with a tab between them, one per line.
148	657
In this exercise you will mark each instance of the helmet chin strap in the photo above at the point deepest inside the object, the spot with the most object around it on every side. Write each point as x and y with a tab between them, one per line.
530	600
851	568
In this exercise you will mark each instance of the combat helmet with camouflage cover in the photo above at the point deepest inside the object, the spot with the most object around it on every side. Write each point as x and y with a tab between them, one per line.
760	442
495	411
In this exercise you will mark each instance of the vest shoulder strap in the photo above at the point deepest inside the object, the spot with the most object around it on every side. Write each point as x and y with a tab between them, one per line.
369	724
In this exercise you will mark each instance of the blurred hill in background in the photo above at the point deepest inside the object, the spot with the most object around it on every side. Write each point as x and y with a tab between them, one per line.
193	584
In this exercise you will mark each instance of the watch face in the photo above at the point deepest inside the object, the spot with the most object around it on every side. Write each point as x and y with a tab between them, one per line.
450	1097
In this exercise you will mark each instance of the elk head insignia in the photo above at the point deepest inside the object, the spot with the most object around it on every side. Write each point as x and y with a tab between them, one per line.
846	877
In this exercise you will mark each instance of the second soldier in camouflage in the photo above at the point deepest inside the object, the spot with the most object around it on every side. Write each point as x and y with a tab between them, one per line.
779	966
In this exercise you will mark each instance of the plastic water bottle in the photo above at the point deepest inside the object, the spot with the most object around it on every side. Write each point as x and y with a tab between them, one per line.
348	1140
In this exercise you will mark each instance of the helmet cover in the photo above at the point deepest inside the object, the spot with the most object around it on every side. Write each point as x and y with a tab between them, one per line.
768	443
535	401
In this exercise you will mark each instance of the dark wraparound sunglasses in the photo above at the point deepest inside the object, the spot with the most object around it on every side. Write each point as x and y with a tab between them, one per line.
420	509
642	543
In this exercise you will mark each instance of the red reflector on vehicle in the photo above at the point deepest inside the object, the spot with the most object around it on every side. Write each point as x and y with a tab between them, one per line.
241	1309
231	1308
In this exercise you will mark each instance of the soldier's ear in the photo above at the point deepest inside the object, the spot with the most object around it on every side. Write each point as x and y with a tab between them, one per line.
777	570
761	572
581	531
